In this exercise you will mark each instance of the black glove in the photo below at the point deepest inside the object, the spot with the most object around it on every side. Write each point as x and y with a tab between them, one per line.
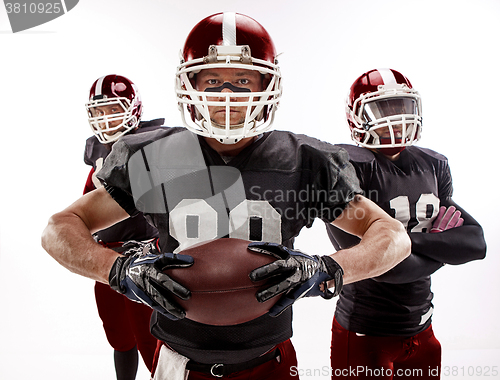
139	276
295	274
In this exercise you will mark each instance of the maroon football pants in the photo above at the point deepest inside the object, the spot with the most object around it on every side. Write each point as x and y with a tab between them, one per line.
373	357
125	322
281	368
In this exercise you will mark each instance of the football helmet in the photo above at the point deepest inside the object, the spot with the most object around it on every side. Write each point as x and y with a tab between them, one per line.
383	111
113	90
228	40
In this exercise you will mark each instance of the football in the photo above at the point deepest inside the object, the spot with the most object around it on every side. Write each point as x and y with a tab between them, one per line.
221	290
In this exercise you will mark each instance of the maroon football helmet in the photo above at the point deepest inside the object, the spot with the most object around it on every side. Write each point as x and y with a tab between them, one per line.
383	111
228	40
114	107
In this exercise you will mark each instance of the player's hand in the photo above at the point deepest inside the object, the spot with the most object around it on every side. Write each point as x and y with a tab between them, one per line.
295	274
446	219
139	276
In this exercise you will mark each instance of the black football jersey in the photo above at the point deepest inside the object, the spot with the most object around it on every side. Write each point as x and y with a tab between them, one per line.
268	192
411	190
136	228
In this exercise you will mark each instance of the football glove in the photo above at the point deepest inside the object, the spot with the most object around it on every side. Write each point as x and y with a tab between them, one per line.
138	274
446	219
295	274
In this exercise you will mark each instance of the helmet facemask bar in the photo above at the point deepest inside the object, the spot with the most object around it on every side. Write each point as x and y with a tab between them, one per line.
260	106
390	132
388	118
100	124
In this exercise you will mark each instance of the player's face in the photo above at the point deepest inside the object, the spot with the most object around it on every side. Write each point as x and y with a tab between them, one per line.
385	132
231	81
110	111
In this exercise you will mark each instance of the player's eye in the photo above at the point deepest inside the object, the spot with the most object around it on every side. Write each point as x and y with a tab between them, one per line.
243	82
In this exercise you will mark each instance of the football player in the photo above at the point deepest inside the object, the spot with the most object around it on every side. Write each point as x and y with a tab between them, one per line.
115	110
226	175
383	324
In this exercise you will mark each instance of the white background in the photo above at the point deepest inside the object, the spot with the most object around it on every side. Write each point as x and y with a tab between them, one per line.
49	327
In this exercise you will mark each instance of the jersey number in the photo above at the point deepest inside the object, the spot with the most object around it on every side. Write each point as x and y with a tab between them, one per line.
194	221
426	209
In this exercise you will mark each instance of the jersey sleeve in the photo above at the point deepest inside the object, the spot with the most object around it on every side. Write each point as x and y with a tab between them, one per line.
457	245
128	160
413	268
336	184
445	185
115	179
454	246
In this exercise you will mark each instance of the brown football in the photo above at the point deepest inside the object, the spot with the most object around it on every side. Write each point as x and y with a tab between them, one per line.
221	290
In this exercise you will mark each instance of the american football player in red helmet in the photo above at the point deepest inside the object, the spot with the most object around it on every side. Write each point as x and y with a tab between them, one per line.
228	87
384	112
114	107
241	111
393	336
115	110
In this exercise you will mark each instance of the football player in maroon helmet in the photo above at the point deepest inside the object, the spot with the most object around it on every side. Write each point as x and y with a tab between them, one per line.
384	112
114	110
223	41
114	107
228	88
383	324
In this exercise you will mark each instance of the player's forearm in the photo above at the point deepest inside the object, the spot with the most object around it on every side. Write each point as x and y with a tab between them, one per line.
383	246
455	246
68	240
415	267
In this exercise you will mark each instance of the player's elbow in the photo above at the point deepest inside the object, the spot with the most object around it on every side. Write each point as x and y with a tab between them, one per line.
49	233
399	243
403	241
481	245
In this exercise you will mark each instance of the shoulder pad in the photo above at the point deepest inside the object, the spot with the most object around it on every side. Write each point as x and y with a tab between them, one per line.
150	123
93	150
321	146
358	154
427	152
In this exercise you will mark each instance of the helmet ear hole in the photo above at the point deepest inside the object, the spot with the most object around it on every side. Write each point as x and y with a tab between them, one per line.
194	113
265	113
